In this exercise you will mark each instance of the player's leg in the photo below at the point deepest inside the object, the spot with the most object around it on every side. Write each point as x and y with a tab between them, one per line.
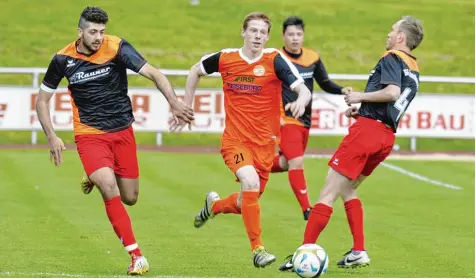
345	166
358	256
293	142
97	156
251	213
129	188
126	166
280	164
126	171
235	156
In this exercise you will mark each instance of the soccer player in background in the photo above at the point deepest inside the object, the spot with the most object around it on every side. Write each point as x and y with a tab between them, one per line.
252	78
95	66
391	87
295	132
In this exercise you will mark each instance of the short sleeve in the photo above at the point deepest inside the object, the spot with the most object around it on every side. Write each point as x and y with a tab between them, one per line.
129	56
54	74
209	63
287	72
391	70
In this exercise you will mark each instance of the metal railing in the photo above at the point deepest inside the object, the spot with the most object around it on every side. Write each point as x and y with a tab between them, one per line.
36	72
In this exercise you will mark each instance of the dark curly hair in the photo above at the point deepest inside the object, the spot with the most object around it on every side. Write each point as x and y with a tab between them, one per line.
94	15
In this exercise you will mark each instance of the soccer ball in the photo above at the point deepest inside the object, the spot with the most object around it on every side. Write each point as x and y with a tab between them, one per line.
310	261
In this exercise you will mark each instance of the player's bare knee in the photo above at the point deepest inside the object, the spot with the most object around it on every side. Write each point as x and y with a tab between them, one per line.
249	178
296	163
130	200
332	188
283	163
105	180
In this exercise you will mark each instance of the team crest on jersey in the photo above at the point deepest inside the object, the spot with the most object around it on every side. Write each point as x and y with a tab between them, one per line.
259	70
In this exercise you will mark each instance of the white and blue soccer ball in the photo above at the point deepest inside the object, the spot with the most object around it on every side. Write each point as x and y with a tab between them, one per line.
310	261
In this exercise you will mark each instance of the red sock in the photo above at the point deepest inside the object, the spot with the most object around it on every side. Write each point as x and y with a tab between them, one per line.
276	167
121	223
318	219
355	216
298	183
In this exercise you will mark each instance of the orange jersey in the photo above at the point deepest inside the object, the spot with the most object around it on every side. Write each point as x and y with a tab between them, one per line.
252	92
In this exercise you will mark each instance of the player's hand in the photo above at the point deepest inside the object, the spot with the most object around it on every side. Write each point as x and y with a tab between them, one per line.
353	98
178	125
297	108
180	111
352	111
346	90
56	150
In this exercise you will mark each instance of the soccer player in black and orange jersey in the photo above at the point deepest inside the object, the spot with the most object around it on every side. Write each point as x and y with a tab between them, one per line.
95	66
391	87
295	132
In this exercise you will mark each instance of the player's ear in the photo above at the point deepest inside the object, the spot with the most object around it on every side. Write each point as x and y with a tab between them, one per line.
80	32
400	37
243	33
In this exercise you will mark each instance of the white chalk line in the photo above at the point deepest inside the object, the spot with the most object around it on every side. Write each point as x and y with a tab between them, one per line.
420	177
413	174
64	275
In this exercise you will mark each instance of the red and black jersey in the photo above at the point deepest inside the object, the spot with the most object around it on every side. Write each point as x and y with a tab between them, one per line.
97	84
398	68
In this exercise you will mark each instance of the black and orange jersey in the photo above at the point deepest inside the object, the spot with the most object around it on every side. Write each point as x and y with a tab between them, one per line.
398	68
97	84
310	67
252	92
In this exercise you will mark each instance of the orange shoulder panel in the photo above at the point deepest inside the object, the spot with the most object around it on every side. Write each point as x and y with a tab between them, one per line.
106	52
410	61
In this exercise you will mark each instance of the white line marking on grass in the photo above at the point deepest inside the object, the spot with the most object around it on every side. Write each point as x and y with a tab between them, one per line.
64	275
420	177
412	157
416	176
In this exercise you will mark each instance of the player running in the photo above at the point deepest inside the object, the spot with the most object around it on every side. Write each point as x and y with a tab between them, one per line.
390	89
295	132
95	66
252	78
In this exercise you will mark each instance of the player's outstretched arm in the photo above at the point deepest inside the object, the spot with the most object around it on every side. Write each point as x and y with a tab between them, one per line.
304	97
180	111
325	83
43	112
191	85
389	94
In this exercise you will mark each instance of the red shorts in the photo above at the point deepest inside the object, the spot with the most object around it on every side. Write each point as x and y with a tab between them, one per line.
114	150
368	143
294	140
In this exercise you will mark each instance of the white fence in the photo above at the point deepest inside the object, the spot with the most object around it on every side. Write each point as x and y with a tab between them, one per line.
430	115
